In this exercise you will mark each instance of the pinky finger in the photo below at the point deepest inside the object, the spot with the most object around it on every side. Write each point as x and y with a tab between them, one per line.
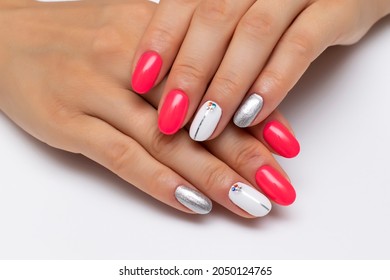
122	155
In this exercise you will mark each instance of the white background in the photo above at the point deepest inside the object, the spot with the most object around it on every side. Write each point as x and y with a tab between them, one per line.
55	205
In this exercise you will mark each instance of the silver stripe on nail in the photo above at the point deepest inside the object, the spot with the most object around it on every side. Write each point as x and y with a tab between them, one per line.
205	121
193	200
248	111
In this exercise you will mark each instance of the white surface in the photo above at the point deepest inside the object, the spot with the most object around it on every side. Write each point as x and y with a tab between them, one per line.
57	205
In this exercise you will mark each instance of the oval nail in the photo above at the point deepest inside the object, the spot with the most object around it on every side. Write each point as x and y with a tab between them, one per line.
193	200
275	186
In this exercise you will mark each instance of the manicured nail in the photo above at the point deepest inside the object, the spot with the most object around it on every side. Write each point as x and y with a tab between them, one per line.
146	72
205	121
249	200
281	139
193	200
248	111
173	112
275	186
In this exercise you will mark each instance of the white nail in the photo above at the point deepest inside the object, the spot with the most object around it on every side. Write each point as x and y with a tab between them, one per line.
205	121
249	200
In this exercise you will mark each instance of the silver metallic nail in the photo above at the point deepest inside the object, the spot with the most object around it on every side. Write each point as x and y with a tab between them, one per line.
193	200
248	111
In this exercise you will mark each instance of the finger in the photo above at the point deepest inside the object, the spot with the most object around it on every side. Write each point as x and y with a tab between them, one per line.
125	157
206	41
134	117
310	34
160	43
276	134
254	39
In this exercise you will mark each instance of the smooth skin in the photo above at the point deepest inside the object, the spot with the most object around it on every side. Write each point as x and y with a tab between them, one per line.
224	50
63	79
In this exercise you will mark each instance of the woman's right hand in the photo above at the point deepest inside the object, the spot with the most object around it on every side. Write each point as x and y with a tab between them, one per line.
63	79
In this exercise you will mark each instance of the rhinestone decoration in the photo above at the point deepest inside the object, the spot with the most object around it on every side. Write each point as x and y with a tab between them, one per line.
211	106
236	188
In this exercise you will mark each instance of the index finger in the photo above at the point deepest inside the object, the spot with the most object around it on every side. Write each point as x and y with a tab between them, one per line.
160	43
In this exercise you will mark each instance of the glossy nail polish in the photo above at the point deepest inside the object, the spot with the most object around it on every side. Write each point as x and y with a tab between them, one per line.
146	72
248	110
281	139
205	121
193	200
275	186
249	200
173	112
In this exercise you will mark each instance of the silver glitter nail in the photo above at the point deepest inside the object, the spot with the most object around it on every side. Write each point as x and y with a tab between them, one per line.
248	111
193	200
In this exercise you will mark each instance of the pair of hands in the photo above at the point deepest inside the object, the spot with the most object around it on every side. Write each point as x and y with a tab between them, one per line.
64	79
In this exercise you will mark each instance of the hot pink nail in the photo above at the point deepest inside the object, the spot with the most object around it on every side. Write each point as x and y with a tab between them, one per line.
173	112
275	186
146	72
281	139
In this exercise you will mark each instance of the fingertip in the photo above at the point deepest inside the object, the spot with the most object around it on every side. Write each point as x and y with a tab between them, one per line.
146	72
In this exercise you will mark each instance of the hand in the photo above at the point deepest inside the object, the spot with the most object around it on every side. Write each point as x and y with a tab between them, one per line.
63	80
227	51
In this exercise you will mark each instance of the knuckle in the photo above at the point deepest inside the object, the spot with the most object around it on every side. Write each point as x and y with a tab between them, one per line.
302	45
162	35
118	156
272	79
227	85
188	72
215	175
216	11
161	145
247	155
258	25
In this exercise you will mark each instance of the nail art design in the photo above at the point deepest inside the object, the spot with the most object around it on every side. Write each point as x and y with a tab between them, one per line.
275	186
248	111
173	112
249	200
205	121
193	200
146	72
281	139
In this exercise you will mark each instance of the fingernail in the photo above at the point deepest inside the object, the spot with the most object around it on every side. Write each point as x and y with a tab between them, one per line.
281	139
146	72
193	200
248	111
275	186
249	200
173	112
205	121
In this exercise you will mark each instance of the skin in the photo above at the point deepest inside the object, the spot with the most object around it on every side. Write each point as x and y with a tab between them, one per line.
64	80
223	50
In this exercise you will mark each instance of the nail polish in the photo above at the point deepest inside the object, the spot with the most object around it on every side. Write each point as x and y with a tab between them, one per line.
193	200
146	72
281	139
173	112
275	186
249	200
205	121
248	110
